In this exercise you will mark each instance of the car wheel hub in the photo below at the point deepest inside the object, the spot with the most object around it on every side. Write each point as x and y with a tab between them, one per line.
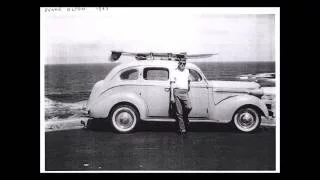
124	119
246	120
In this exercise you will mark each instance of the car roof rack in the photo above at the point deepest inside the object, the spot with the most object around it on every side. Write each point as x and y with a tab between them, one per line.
115	55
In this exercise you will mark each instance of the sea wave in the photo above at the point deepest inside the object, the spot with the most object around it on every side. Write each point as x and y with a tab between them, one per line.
60	111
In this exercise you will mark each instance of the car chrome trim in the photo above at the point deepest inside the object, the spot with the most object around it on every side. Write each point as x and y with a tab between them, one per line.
131	85
225	99
174	120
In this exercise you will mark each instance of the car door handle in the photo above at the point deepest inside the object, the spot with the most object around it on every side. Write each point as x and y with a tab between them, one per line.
167	89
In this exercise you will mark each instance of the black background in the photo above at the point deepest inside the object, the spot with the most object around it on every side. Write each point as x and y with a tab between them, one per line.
296	87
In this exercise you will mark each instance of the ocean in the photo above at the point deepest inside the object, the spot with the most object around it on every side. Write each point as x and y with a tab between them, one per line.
68	86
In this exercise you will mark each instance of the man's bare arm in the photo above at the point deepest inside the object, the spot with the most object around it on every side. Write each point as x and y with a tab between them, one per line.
171	91
189	80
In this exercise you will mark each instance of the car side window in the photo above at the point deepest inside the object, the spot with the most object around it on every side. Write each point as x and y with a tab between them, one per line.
157	74
194	76
131	74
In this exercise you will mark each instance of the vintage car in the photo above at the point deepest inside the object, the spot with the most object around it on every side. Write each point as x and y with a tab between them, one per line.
140	91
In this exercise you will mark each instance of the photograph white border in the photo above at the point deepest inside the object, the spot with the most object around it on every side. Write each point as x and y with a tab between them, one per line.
42	102
236	10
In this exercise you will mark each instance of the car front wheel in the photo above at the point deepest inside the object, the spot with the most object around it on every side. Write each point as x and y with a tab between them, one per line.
246	119
124	118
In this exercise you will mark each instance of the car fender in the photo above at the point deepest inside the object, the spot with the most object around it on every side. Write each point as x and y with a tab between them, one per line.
224	110
115	96
94	92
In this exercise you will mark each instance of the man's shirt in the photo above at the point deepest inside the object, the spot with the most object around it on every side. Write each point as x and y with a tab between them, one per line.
180	78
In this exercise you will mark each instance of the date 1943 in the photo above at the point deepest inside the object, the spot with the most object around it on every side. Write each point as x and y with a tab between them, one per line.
102	8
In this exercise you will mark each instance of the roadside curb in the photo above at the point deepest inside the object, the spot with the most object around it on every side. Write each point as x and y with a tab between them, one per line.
64	125
265	122
76	124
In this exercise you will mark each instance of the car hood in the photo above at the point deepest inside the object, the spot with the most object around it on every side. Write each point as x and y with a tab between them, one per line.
234	85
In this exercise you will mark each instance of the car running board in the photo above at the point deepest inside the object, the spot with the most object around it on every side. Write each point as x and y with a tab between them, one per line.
174	120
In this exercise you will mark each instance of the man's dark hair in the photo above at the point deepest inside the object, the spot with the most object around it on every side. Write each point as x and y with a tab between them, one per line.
181	56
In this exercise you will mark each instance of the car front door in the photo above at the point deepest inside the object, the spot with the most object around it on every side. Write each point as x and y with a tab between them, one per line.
156	90
199	96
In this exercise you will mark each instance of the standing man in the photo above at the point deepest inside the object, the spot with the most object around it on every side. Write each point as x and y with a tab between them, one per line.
180	86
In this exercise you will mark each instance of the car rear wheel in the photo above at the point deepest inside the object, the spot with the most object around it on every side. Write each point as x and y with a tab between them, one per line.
124	118
246	119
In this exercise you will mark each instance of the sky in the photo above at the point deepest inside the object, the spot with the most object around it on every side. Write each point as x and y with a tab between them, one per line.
87	35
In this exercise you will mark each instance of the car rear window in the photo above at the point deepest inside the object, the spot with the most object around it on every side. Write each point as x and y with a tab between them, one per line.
131	74
158	74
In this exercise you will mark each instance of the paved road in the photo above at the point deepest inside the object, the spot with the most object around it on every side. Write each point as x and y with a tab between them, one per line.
157	147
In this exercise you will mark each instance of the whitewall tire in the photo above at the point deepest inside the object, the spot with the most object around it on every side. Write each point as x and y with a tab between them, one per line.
246	119
124	118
